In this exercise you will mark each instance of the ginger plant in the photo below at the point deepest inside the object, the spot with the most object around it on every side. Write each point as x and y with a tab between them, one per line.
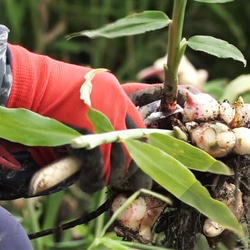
153	156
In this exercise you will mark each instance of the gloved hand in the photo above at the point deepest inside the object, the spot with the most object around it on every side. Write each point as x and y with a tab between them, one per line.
51	88
148	98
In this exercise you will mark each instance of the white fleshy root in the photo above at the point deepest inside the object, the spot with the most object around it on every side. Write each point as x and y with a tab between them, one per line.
212	228
214	138
53	174
200	107
140	215
227	112
242	146
131	217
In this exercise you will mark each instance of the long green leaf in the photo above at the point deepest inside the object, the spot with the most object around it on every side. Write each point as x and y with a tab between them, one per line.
177	179
188	155
130	25
201	242
216	47
31	129
112	244
99	121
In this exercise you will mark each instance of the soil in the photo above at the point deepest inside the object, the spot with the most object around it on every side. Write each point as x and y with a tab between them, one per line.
178	227
182	224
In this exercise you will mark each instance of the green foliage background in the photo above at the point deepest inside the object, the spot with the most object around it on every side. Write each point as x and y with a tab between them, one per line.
41	26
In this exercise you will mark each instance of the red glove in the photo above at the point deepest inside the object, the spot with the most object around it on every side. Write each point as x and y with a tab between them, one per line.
51	88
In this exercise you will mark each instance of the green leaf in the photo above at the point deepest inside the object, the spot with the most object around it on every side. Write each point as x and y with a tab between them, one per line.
214	1
113	244
177	179
31	129
236	88
215	47
215	87
99	121
131	25
188	155
201	243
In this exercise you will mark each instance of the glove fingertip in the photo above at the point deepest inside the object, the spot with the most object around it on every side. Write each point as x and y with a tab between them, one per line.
89	186
91	177
140	180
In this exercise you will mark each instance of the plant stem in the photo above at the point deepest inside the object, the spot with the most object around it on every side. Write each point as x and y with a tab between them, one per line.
129	201
93	140
175	51
34	224
52	206
100	219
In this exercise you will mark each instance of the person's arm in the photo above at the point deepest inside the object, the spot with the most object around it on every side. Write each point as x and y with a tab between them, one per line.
52	88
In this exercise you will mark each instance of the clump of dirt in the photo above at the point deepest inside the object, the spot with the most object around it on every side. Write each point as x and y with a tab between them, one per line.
179	225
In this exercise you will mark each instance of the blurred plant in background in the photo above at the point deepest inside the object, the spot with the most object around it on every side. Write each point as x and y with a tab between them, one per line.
41	26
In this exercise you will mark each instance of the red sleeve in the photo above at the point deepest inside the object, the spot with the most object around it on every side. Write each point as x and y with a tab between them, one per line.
52	88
